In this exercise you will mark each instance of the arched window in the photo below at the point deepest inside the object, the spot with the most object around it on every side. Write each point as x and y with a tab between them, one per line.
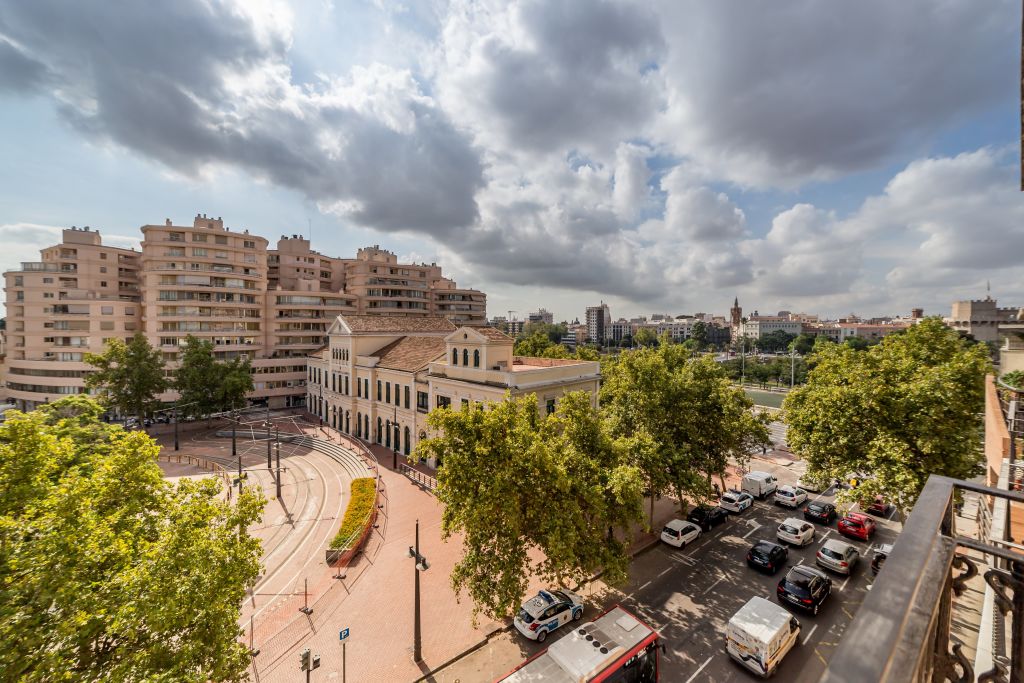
455	356
476	358
380	424
346	422
378	390
359	424
406	451
465	357
387	433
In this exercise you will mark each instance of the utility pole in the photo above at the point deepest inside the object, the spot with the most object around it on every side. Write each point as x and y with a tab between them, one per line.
267	425
234	444
421	566
279	470
176	447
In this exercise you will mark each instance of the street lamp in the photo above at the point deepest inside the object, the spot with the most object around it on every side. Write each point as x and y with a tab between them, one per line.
421	566
792	367
176	447
394	443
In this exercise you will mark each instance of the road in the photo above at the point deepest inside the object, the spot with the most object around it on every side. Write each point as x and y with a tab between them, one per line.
689	595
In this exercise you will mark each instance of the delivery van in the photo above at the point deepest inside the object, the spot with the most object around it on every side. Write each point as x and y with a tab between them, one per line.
760	634
759	484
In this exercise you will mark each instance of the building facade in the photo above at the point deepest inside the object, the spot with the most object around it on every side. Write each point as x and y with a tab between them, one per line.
980	318
599	322
272	306
378	377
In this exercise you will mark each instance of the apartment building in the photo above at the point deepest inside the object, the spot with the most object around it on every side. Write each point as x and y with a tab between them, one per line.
273	306
599	323
379	376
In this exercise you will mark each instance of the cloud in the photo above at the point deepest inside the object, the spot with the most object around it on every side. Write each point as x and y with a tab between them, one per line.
779	93
194	84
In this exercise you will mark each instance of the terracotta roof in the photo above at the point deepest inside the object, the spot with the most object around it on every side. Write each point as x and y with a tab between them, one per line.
494	334
410	353
397	323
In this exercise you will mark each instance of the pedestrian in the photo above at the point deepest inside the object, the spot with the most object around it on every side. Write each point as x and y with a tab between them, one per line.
764	450
718	491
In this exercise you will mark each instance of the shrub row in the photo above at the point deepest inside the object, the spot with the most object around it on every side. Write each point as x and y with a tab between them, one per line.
357	514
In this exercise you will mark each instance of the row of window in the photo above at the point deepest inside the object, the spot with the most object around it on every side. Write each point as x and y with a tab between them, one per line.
465	357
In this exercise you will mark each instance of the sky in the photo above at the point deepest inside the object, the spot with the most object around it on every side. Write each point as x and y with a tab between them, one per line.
660	156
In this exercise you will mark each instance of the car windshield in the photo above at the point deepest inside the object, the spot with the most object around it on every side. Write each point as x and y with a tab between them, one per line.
834	554
854	522
799	579
561	596
670	531
525	617
728	499
785	493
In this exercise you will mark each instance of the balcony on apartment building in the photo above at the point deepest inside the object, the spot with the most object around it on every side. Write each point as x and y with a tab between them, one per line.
949	602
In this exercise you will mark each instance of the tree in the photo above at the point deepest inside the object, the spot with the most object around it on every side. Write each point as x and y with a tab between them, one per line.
197	378
699	334
495	458
645	337
233	383
776	340
554	333
857	343
899	411
587	353
803	344
128	376
1014	379
534	345
108	571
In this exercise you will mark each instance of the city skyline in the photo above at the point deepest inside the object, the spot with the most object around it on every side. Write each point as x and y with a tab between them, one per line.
535	164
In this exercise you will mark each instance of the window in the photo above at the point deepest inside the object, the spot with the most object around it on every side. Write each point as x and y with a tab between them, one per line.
249	244
346	388
198	237
19	281
103	256
47	280
378	389
359	388
46	295
103	269
106	324
407	397
422	401
107	310
465	357
129	311
176	236
380	429
443	402
387	391
219	254
551	406
103	283
465	403
199	252
455	356
220	239
476	358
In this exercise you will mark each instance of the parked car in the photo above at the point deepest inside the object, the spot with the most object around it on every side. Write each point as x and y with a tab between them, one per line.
857	525
795	532
767	556
759	484
879	507
882	553
838	556
805	587
547	611
815	484
817	511
790	496
760	634
679	533
735	501
706	516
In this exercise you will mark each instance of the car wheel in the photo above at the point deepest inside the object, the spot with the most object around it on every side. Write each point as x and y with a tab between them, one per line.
542	636
577	615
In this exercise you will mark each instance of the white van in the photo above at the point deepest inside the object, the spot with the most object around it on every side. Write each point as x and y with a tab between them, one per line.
759	484
760	635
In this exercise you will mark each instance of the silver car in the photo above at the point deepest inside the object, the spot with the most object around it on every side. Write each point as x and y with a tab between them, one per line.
837	556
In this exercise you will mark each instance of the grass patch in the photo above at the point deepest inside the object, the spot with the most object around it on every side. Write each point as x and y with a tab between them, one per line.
357	514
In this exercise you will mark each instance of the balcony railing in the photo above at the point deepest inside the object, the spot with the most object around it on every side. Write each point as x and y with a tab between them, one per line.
902	630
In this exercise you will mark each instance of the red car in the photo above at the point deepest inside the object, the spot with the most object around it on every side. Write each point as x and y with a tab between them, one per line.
879	507
857	525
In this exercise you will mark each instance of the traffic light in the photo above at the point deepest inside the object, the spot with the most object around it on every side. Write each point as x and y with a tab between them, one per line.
316	661
304	659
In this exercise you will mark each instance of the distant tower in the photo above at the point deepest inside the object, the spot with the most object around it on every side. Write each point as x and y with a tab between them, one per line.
736	314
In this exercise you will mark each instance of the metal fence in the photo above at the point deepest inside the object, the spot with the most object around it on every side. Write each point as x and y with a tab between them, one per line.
424	480
902	631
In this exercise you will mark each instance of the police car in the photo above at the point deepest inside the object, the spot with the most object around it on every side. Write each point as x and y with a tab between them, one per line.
546	611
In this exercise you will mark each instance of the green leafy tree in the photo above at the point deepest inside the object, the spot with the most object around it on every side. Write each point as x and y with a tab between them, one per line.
495	459
554	333
108	571
699	334
1014	379
234	382
587	353
803	344
857	343
645	336
198	378
129	376
899	411
534	345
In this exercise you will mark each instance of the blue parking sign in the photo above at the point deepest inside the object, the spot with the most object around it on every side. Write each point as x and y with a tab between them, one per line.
343	634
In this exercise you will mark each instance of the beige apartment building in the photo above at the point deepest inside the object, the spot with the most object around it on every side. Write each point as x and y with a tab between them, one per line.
273	306
378	377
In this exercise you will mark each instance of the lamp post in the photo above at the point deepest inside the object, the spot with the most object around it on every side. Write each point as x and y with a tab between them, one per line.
421	566
394	461
176	447
792	367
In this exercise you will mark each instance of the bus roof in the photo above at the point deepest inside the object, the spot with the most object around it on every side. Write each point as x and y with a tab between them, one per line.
585	651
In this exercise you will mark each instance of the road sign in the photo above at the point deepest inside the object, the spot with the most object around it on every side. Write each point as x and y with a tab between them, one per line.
343	634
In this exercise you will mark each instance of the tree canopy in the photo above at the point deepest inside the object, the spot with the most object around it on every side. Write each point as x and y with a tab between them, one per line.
206	385
898	412
515	481
645	336
107	571
128	376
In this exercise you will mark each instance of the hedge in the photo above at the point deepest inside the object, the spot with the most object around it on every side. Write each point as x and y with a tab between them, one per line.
357	514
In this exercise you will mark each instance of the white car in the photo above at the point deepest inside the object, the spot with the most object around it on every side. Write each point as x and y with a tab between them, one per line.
735	501
679	533
790	496
838	556
795	532
546	611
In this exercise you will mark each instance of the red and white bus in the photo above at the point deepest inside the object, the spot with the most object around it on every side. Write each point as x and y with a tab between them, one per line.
614	648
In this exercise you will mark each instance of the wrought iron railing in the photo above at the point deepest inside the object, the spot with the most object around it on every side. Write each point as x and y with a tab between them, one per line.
425	480
901	633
